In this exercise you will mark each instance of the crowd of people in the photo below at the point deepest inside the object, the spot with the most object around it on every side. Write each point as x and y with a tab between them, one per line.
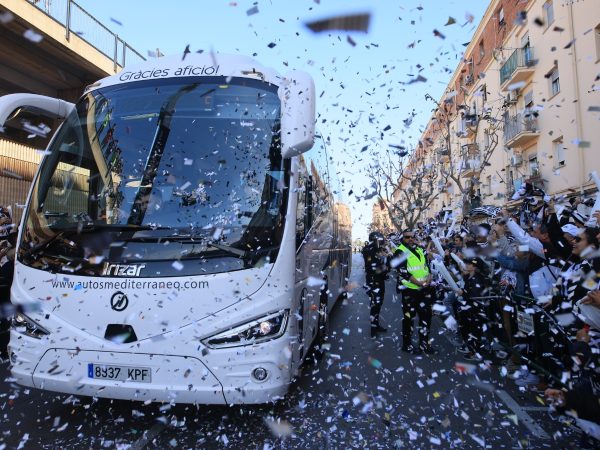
521	289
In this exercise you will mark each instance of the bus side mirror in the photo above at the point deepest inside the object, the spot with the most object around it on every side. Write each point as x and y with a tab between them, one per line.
297	94
52	107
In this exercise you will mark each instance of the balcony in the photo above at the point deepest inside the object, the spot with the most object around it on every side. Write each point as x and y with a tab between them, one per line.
536	180
443	154
470	122
470	166
513	187
520	130
471	162
517	68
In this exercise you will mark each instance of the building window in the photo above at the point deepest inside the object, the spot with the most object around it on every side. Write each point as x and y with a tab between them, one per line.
534	168
559	152
528	100
501	19
554	81
528	104
483	90
526	49
470	68
548	12
481	50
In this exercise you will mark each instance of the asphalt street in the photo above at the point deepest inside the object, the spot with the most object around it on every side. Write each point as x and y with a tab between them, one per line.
364	393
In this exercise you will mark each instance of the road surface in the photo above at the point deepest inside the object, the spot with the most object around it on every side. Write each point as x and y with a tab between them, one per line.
364	393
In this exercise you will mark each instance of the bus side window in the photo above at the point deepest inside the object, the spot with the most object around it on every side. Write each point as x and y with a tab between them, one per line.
300	210
308	215
304	212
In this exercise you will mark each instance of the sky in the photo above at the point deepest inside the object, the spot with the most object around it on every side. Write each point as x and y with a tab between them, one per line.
371	86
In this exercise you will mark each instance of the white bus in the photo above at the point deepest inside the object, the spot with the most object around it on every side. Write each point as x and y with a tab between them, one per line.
180	243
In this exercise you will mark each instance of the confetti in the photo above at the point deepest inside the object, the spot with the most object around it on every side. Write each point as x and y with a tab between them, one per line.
6	17
451	21
436	33
353	22
465	368
33	36
375	362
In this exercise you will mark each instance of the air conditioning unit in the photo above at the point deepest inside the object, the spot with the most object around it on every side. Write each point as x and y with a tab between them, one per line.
513	96
471	120
516	160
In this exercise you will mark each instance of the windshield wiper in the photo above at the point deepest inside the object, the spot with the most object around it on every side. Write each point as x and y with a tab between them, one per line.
166	237
85	228
192	239
118	227
229	249
250	254
202	241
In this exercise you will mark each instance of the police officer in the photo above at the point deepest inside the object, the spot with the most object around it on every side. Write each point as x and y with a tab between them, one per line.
377	267
414	280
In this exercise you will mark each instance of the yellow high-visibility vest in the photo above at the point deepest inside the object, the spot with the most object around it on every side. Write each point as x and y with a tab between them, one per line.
415	264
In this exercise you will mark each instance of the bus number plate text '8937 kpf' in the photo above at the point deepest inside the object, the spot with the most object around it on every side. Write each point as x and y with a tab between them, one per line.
119	373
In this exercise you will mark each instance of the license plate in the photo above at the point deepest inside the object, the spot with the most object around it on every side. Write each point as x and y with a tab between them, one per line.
119	373
525	322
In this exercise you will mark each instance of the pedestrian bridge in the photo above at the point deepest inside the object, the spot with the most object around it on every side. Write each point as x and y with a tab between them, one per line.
53	48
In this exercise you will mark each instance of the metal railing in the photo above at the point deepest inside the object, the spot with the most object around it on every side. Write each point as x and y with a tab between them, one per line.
470	163
77	20
513	187
519	124
521	57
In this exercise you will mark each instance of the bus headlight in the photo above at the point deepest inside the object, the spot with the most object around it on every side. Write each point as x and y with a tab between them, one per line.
25	325
256	331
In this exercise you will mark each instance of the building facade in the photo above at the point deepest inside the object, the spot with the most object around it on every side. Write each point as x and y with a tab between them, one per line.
381	219
523	106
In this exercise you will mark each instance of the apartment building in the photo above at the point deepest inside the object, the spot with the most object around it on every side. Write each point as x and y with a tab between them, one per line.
380	219
522	106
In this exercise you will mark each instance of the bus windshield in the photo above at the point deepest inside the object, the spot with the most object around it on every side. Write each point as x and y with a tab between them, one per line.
183	169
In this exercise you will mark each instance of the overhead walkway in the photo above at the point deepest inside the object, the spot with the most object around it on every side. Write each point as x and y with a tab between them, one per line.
54	48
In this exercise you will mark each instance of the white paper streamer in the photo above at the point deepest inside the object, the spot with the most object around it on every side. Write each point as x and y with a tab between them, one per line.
438	245
459	261
451	226
441	269
592	222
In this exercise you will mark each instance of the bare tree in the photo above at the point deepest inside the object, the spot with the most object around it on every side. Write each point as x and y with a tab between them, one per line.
463	162
407	186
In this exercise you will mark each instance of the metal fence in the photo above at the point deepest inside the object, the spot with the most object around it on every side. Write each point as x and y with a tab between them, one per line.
521	57
521	123
77	20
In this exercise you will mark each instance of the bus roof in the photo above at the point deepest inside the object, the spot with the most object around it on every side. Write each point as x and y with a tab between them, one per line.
193	64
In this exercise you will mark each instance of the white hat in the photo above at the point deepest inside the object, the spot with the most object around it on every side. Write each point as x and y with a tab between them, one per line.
571	229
